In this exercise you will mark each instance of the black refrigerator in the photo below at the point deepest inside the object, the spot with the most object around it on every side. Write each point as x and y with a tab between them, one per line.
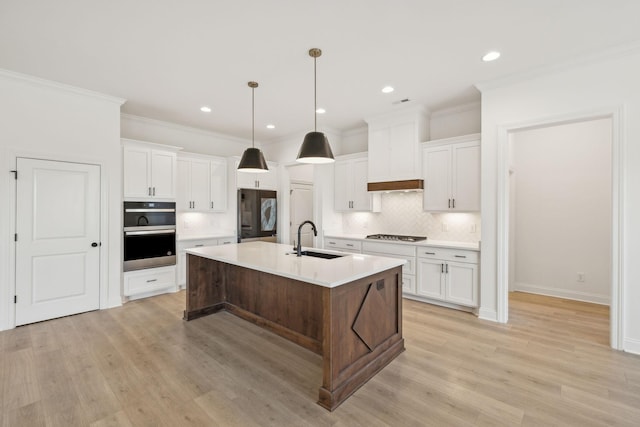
257	215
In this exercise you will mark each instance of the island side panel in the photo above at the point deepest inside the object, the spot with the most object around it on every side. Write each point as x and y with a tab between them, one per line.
288	307
362	333
206	287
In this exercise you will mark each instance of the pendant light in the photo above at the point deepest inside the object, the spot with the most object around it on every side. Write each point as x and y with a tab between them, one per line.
315	148
252	158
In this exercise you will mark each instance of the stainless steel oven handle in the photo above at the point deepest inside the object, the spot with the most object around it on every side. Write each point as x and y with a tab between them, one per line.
146	233
151	227
150	210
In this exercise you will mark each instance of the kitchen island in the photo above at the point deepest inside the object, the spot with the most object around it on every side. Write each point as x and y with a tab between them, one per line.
347	309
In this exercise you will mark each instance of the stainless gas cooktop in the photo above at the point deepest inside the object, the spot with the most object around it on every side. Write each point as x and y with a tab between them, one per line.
396	237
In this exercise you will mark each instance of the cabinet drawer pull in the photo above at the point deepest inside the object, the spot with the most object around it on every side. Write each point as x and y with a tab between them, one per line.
152	280
198	246
332	243
460	256
350	245
429	253
226	243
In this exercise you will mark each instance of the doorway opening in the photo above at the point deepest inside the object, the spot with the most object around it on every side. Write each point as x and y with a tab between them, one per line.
559	218
301	204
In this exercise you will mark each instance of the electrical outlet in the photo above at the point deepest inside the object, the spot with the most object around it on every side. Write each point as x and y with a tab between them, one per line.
472	228
445	226
580	276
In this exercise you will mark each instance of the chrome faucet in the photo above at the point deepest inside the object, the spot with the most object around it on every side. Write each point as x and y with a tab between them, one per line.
315	233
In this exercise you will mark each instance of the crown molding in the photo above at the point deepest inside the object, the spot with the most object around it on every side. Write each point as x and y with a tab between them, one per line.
183	128
575	62
37	81
476	105
355	131
418	110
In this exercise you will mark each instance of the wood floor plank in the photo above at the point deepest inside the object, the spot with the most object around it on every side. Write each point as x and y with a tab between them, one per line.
141	364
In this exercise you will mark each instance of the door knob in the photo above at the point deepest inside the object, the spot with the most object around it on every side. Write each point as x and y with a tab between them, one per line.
94	244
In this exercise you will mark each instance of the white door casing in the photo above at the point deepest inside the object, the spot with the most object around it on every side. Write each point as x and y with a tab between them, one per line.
301	203
57	222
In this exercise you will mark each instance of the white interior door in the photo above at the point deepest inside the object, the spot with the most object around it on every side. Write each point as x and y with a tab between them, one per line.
301	210
57	250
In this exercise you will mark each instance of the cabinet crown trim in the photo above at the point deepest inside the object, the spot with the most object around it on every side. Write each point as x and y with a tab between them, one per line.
152	145
452	140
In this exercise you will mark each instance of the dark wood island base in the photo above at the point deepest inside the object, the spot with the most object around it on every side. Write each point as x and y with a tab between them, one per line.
356	327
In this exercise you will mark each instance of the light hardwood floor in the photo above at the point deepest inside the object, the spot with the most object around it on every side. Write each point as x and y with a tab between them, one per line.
142	365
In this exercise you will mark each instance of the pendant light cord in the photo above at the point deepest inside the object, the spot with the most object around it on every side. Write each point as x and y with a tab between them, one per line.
253	118
315	97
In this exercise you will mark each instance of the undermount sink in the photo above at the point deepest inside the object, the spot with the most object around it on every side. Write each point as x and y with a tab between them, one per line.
319	254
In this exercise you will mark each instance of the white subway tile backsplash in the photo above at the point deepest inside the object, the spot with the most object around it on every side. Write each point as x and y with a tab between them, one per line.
402	214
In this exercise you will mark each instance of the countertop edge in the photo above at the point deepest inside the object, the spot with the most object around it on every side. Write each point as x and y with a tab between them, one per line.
470	246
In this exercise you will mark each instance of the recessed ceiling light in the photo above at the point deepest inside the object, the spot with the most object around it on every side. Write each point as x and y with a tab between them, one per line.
321	111
271	126
387	89
205	109
491	56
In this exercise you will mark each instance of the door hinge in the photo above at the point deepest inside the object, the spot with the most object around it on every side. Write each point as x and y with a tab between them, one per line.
15	174
15	299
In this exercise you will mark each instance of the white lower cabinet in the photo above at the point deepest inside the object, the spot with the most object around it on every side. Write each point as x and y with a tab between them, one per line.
149	280
182	246
405	252
449	275
343	245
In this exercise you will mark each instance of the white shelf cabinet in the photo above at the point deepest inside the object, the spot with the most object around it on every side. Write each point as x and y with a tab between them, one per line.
202	184
451	171
449	275
149	171
394	145
182	246
261	181
350	185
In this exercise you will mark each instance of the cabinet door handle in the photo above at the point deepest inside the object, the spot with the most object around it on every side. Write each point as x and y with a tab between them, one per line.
446	270
154	191
332	243
149	190
211	205
350	245
460	256
429	253
441	268
152	280
454	203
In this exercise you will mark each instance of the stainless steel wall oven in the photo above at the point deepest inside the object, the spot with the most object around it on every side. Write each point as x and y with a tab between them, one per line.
149	235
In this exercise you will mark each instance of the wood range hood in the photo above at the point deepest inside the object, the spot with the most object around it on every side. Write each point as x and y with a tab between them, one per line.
406	185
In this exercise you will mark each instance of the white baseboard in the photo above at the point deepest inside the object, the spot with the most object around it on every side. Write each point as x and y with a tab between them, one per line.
631	346
488	314
563	293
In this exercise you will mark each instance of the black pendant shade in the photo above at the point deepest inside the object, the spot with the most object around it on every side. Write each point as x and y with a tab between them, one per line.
252	159
315	149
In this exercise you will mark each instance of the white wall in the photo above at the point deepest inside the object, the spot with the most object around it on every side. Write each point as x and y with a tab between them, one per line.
47	120
355	140
562	219
455	121
190	139
286	149
608	83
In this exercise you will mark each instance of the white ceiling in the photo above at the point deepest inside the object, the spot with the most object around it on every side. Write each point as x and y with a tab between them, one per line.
168	58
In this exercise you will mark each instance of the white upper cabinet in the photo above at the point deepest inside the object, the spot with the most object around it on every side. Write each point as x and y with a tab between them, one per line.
202	183
218	185
451	169
149	171
394	145
261	181
350	185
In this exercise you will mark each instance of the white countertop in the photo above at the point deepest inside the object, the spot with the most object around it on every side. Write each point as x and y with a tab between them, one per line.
184	238
433	243
280	260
